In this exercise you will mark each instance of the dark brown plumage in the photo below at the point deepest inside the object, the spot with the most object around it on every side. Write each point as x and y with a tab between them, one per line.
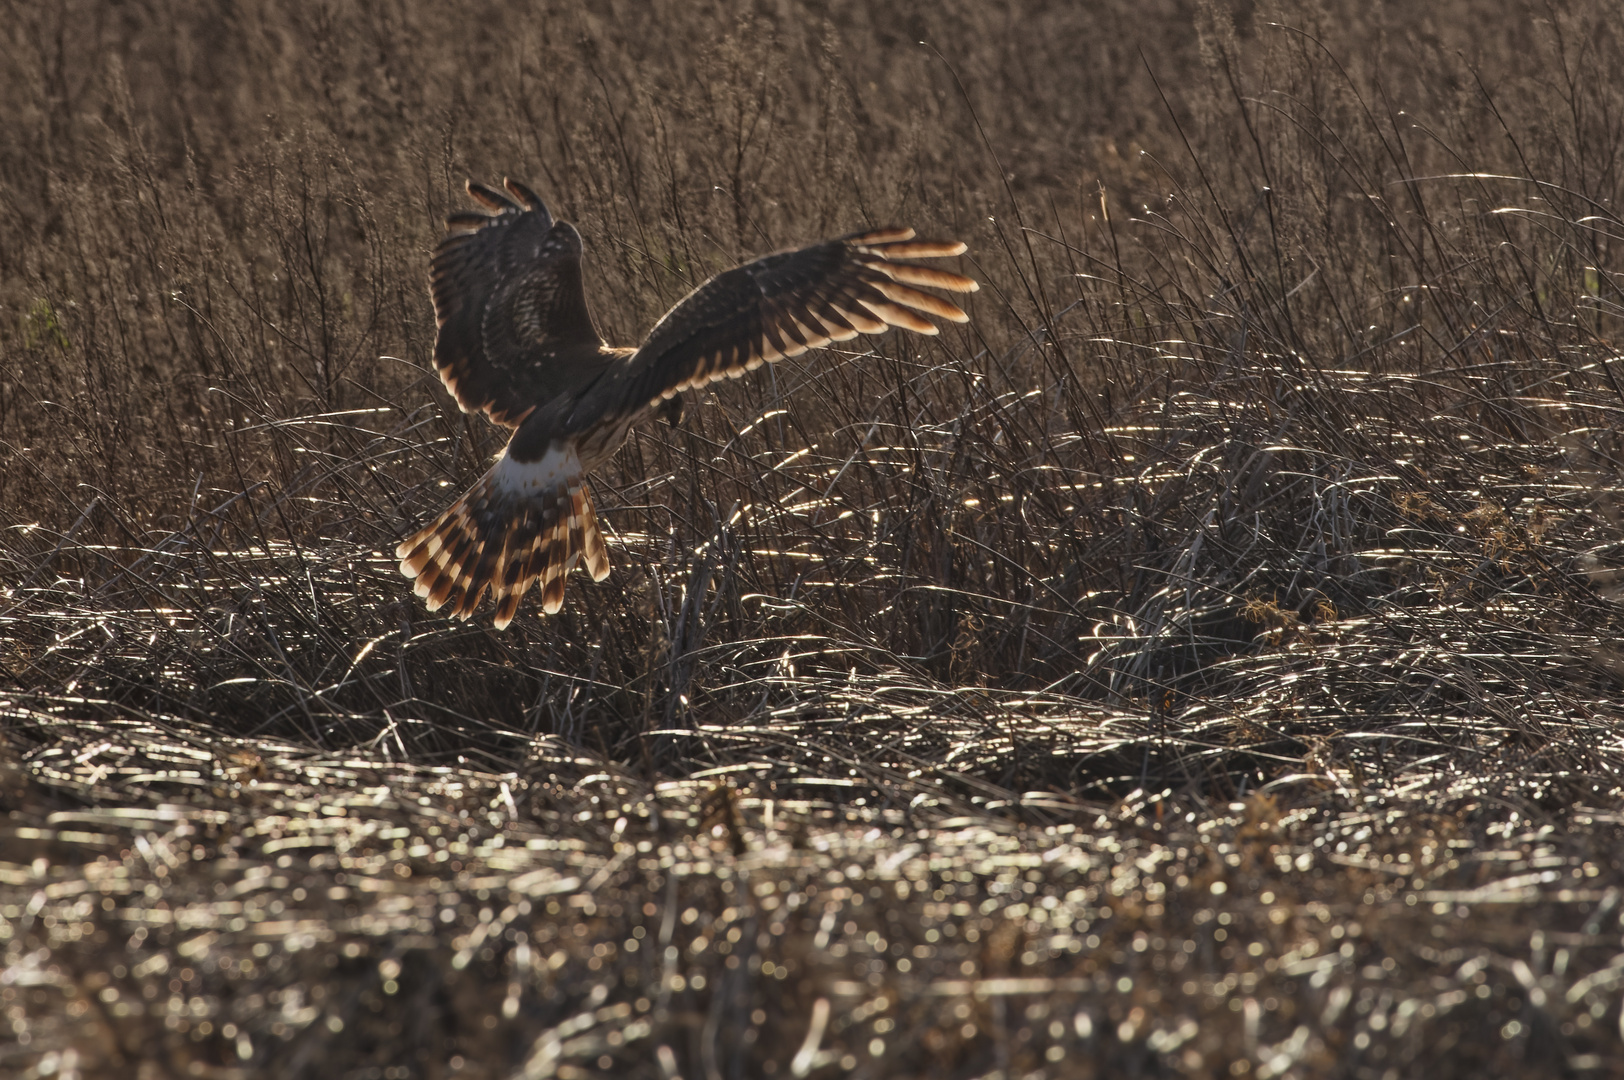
517	342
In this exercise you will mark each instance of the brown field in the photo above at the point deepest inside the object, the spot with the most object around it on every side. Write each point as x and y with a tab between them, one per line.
1202	664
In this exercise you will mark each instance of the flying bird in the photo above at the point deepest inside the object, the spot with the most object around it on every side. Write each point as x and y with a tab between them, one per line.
517	342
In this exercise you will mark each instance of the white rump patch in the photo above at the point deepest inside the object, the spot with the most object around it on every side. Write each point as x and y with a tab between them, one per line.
532	479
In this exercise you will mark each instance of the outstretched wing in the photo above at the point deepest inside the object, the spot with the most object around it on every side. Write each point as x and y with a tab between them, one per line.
784	304
514	330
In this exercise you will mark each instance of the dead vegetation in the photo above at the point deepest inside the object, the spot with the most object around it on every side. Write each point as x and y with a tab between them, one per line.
1201	664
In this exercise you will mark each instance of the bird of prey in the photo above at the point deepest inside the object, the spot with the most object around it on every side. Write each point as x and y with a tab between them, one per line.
517	342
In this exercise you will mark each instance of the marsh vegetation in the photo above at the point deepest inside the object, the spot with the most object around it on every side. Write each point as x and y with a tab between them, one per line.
1203	663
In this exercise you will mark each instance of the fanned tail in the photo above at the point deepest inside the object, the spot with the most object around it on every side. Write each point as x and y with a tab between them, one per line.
490	541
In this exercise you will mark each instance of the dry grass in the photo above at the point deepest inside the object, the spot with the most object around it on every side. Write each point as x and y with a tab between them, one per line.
1201	664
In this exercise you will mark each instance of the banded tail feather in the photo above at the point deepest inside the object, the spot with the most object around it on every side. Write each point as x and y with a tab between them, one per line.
523	524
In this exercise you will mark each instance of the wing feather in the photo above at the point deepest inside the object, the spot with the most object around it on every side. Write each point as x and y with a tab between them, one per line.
491	198
864	323
929	276
897	315
920	249
920	301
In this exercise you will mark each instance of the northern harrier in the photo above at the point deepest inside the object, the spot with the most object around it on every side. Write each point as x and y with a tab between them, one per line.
516	342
